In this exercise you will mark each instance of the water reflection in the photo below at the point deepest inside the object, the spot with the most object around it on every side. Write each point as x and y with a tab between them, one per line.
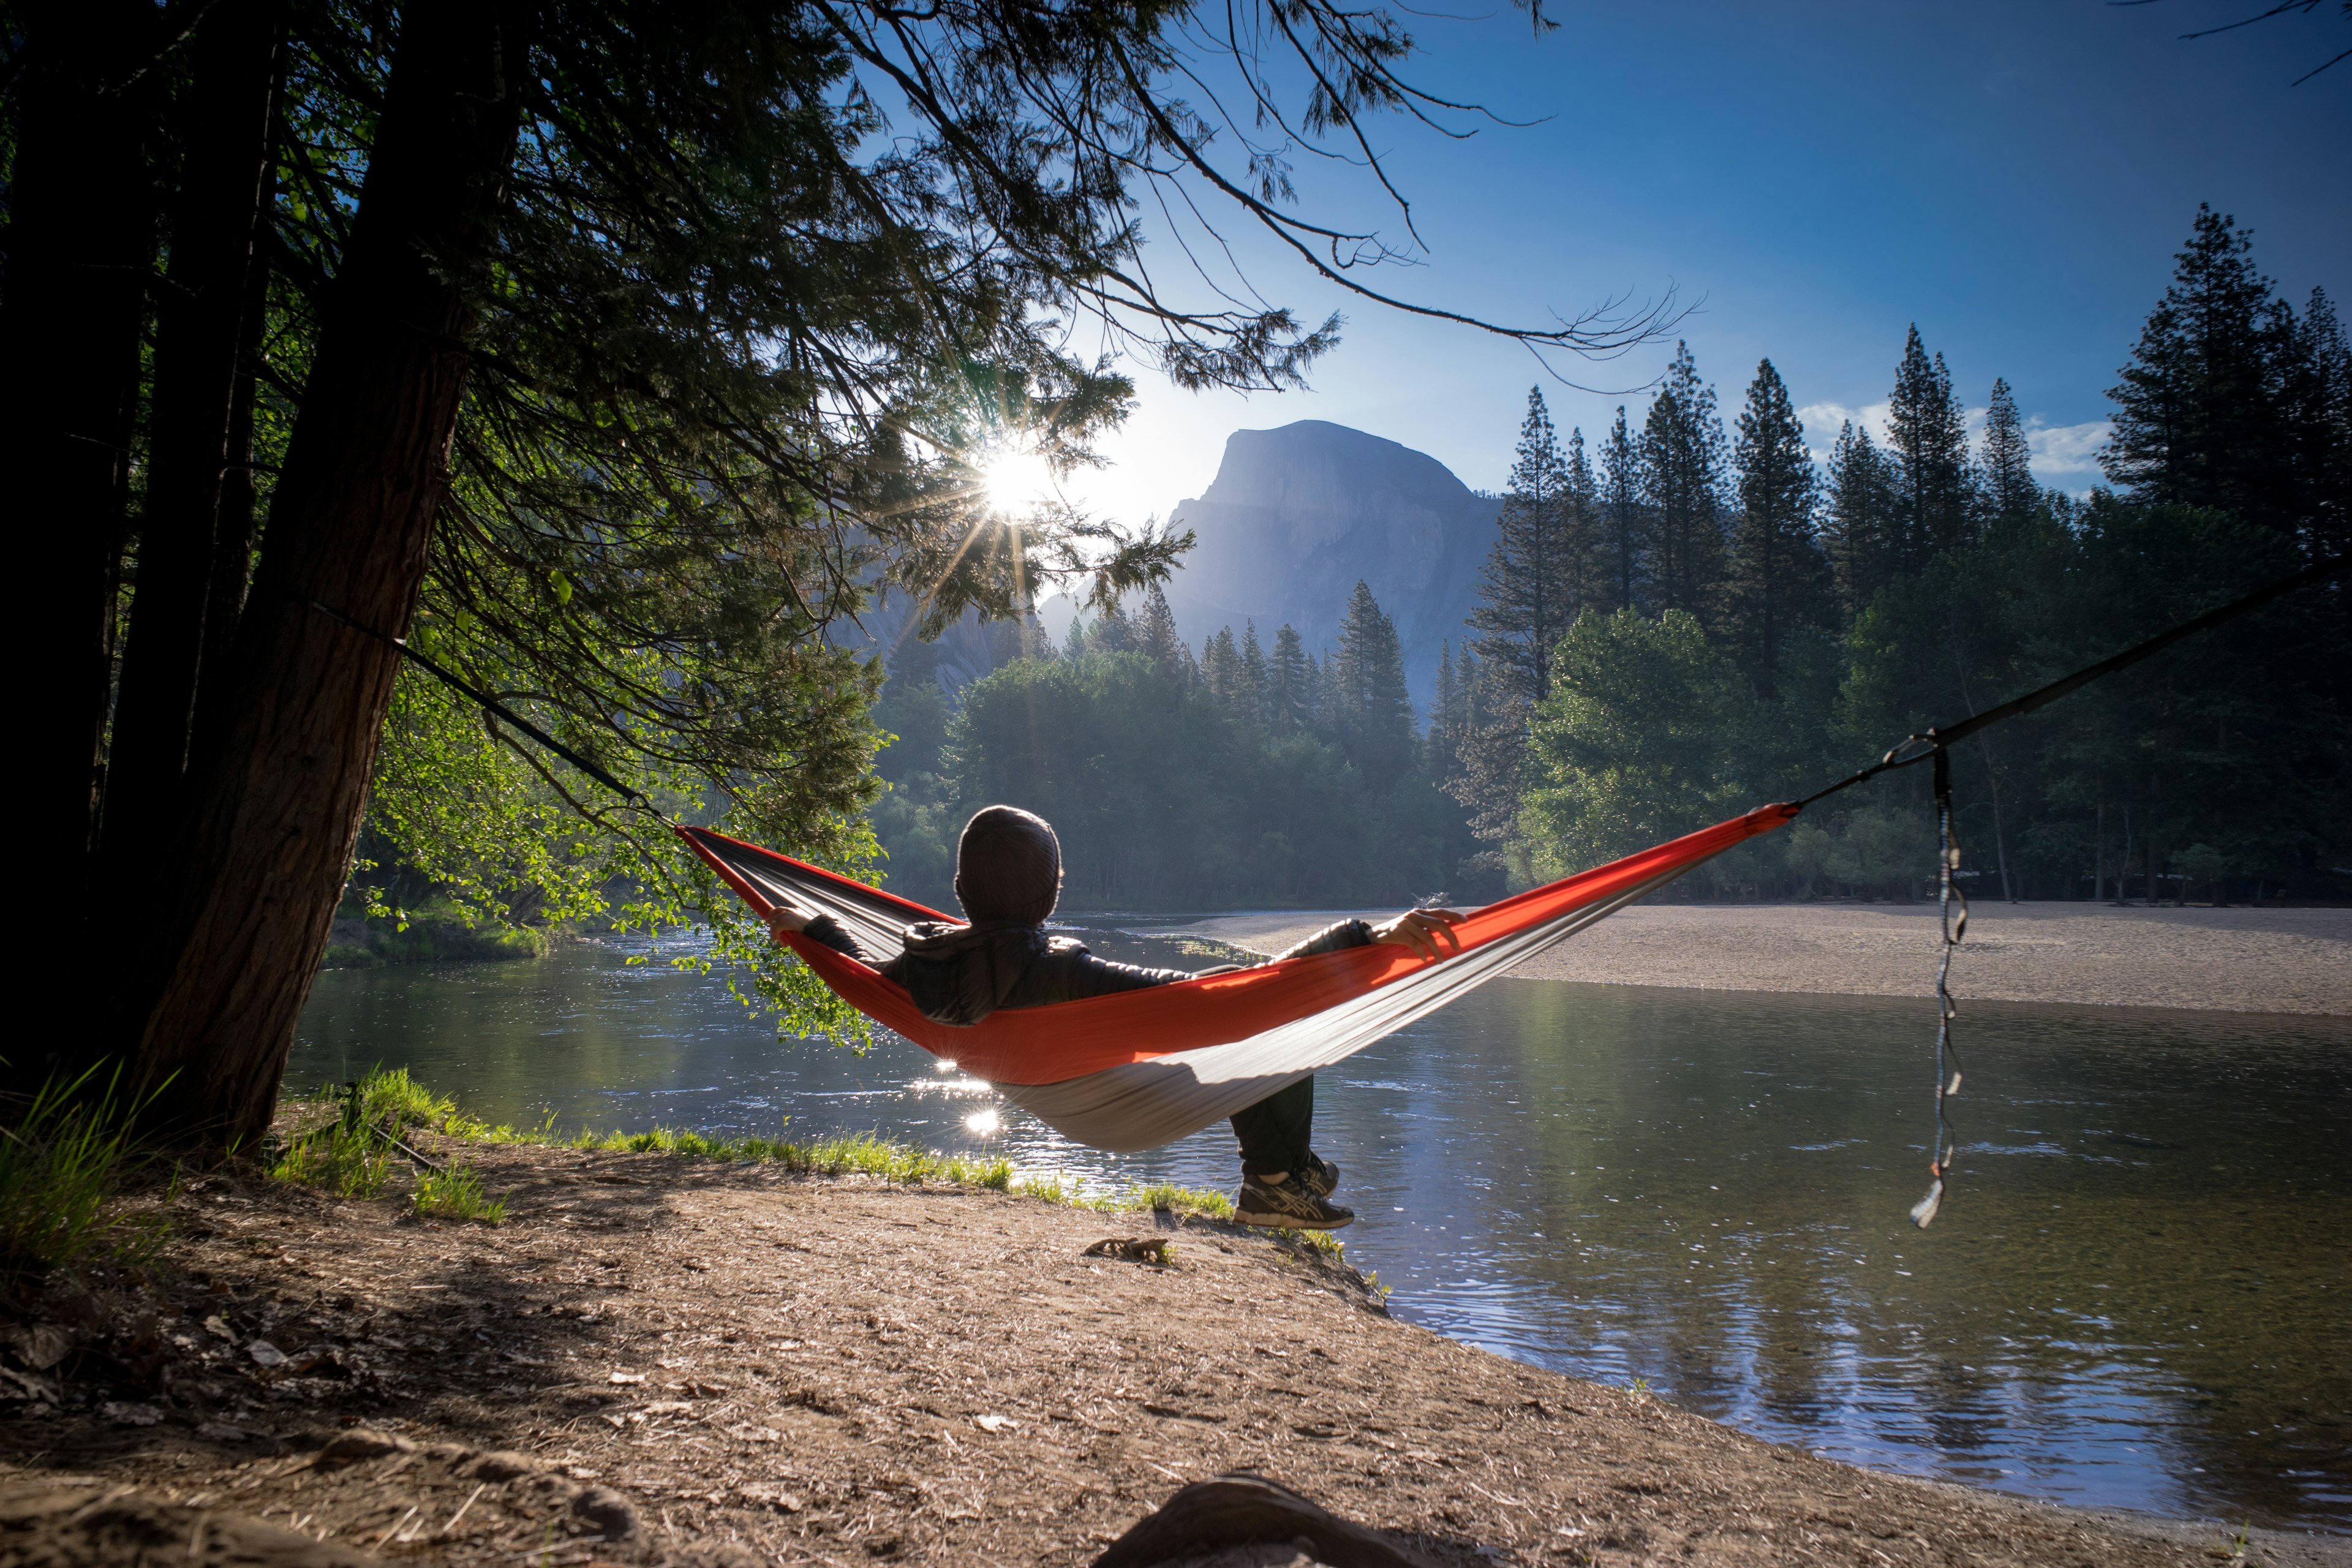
2139	1294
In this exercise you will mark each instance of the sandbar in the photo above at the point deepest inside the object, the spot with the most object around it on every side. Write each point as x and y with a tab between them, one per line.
2229	960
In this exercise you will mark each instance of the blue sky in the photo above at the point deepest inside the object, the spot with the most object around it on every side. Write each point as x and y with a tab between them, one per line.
1812	178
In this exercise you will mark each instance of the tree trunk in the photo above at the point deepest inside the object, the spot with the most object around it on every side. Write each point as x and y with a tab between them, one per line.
234	531
2000	834
278	792
200	339
81	238
1993	779
2123	859
2099	856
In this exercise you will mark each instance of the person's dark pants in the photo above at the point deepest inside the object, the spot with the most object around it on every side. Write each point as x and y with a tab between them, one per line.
1273	1131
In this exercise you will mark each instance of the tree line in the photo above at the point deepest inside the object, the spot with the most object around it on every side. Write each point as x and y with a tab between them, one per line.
1252	771
1701	620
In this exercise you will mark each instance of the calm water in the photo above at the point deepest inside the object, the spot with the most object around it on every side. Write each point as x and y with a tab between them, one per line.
2139	1293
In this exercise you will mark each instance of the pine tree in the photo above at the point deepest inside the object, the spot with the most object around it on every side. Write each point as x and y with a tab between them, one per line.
1253	676
1155	635
1623	535
1928	436
2320	412
2008	491
1584	503
1779	581
1490	758
1023	638
1450	720
1861	519
1365	698
1289	684
1112	632
2199	416
1221	668
1536	578
1681	476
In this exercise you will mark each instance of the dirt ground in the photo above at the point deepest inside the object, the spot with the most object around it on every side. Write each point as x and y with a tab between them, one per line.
2233	960
659	1359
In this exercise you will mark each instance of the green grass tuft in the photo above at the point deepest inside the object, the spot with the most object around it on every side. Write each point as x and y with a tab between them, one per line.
457	1193
399	1102
1163	1195
348	1155
62	1167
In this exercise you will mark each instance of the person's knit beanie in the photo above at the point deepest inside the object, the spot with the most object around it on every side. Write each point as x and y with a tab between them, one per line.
1008	867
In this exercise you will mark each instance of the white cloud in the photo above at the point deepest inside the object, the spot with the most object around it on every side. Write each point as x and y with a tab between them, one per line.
1822	421
2058	450
2067	448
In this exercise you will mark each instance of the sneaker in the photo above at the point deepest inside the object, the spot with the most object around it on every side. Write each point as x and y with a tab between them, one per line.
1290	1206
1318	1175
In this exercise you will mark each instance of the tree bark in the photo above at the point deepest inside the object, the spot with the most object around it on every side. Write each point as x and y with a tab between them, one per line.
279	791
234	530
2099	856
228	123
81	238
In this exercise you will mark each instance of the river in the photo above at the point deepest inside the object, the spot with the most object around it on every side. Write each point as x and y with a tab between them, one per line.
2139	1294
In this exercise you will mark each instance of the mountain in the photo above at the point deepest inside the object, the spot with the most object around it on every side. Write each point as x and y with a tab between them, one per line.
1296	515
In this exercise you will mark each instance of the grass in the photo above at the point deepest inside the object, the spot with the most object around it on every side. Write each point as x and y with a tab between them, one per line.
396	1100
400	1102
62	1168
457	1193
348	1155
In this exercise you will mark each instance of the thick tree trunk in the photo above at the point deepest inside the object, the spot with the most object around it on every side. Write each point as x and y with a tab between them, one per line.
81	238
278	792
228	121
234	520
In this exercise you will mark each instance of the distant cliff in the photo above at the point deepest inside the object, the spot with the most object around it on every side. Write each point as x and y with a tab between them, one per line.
1296	515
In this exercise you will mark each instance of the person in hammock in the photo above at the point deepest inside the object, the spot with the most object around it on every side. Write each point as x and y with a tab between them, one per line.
1009	878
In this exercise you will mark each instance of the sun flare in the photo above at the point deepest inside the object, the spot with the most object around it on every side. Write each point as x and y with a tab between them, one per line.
1016	481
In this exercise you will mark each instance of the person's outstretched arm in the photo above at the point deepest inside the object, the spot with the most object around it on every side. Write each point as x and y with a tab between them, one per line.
821	928
1429	933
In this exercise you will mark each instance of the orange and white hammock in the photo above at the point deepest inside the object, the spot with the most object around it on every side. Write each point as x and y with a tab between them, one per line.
1140	1068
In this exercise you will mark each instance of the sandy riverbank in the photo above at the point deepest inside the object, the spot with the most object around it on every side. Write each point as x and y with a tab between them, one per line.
2247	961
664	1361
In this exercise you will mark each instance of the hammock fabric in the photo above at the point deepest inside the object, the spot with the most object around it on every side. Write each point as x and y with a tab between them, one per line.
1140	1068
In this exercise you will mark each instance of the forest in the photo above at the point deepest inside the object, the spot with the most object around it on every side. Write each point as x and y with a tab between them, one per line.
1680	621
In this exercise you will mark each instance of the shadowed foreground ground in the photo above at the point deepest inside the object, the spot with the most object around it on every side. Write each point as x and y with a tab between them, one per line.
660	1360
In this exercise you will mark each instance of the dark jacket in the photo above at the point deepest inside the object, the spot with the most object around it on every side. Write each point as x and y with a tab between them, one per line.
961	973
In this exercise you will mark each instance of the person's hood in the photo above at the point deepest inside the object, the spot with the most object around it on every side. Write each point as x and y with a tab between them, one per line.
958	974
